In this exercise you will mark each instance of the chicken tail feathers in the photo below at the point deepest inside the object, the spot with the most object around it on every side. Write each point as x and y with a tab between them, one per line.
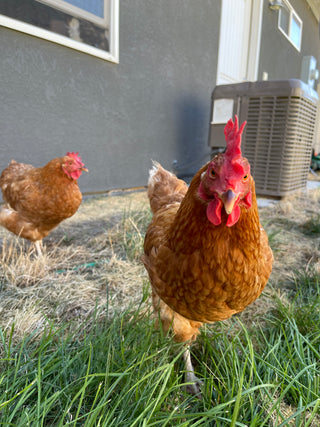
12	221
164	188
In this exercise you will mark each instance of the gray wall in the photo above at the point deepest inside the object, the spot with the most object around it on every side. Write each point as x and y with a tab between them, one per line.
278	57
154	105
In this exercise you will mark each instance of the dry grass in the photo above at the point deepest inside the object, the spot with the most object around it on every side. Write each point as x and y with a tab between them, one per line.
95	256
285	221
89	259
287	411
92	261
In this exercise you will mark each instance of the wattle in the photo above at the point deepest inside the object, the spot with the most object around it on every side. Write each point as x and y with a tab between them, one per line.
76	174
214	211
234	216
215	207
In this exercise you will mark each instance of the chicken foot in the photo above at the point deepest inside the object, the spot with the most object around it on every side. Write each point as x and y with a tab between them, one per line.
195	384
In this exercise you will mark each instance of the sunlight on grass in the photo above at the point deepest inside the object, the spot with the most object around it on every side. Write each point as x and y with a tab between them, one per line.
123	372
79	346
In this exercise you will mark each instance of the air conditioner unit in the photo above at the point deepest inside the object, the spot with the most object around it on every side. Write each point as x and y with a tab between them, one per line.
281	124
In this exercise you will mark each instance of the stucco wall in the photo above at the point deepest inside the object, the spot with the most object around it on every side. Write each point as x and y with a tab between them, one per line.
278	57
154	105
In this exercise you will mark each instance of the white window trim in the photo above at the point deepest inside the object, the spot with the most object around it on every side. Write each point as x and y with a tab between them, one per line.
255	42
292	13
113	25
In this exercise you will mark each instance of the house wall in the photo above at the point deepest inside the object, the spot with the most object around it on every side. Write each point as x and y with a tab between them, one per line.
154	105
278	57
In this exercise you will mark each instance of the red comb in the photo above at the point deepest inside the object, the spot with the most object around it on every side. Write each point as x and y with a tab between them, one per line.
233	138
76	157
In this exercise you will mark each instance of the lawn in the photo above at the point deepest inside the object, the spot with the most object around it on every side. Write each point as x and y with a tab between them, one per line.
79	345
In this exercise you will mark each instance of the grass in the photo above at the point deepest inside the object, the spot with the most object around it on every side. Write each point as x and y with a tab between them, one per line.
312	226
123	372
79	346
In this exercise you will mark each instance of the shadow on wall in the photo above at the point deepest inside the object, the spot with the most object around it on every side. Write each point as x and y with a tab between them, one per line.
192	127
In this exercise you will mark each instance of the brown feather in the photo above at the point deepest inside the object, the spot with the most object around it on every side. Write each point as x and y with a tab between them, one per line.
37	199
203	272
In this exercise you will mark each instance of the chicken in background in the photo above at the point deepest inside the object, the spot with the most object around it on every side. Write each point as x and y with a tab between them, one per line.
206	252
38	199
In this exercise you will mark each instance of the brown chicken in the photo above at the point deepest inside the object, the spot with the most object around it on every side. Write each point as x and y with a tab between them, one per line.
206	252
38	199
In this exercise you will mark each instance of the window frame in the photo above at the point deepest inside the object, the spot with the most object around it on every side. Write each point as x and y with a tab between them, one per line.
110	21
292	14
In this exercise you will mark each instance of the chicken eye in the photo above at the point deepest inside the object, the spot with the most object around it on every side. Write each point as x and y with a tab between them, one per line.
212	173
245	177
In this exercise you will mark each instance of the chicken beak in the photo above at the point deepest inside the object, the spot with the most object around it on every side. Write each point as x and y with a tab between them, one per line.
84	169
228	199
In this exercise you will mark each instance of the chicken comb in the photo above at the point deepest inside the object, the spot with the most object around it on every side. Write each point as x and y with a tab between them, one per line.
76	157
233	139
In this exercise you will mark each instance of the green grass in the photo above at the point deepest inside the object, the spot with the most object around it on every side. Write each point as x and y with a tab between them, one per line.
125	373
115	368
312	226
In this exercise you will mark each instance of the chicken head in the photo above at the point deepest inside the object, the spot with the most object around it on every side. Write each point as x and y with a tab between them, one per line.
226	182
73	166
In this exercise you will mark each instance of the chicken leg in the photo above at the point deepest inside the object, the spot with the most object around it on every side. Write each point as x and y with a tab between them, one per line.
38	244
185	331
194	383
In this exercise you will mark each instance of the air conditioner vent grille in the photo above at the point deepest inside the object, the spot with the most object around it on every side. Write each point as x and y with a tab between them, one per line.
278	142
282	125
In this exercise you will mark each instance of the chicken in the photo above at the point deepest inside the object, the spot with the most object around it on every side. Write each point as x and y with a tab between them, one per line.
38	199
205	250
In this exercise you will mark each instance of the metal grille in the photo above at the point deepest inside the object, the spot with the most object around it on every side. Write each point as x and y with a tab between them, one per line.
282	126
278	142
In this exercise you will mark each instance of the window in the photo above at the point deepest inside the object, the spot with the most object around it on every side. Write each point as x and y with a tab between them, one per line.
290	24
92	10
91	26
